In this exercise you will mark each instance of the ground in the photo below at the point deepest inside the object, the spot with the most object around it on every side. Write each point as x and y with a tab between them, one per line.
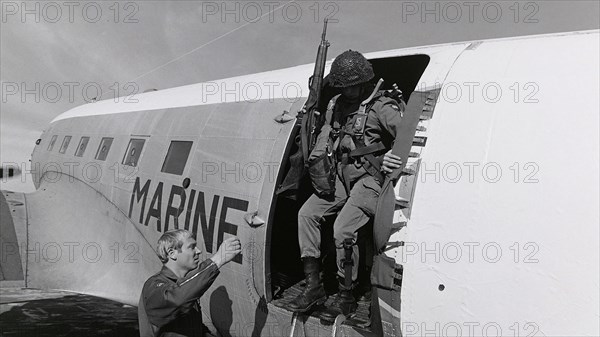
31	312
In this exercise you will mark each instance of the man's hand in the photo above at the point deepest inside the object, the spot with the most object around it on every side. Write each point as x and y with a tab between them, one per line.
390	162
227	251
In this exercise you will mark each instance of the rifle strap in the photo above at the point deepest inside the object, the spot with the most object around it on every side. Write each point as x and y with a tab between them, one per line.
335	124
361	116
304	138
361	151
331	109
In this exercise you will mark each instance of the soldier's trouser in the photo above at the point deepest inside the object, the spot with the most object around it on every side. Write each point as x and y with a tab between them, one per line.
354	212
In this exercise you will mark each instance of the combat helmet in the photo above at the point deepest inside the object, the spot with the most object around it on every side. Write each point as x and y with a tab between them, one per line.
350	68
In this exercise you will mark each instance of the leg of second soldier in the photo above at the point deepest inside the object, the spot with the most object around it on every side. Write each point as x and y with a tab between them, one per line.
309	237
310	216
357	211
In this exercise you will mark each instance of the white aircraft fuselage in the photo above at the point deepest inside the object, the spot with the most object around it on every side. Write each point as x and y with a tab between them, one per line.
501	208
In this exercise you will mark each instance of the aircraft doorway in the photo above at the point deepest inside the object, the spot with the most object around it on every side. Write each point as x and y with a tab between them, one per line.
284	268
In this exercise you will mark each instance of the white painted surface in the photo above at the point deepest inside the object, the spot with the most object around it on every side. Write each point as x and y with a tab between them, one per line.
550	210
289	84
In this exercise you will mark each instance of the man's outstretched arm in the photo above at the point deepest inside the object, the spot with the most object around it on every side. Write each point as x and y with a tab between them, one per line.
166	301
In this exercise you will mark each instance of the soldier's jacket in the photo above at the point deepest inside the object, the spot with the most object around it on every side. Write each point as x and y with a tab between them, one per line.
169	306
383	122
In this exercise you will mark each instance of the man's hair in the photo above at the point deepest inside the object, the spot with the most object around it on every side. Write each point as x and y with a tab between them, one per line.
172	239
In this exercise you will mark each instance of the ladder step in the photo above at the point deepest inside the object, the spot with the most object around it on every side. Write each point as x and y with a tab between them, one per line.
402	202
408	172
419	141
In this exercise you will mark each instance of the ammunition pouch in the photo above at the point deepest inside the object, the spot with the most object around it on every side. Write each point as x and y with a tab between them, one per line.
386	273
322	164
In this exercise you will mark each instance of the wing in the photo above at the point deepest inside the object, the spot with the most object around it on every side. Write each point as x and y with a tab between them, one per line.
70	237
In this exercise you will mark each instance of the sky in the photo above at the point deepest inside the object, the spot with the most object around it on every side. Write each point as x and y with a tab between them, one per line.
57	55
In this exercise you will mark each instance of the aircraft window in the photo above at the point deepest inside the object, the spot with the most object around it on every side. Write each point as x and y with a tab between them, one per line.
65	144
104	147
82	146
134	149
177	157
52	141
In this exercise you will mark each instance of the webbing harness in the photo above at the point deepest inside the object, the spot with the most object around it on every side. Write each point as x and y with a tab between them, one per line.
357	134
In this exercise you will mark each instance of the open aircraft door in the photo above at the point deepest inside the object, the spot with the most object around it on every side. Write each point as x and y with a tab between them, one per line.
502	238
387	272
419	76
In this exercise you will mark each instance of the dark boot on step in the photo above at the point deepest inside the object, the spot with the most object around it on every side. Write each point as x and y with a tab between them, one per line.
314	293
343	304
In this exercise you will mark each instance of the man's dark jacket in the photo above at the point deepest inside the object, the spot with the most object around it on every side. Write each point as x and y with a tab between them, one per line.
169	306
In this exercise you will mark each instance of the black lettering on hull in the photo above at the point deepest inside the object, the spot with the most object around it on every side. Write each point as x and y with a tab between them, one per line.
207	222
155	207
174	212
188	212
207	225
227	227
138	194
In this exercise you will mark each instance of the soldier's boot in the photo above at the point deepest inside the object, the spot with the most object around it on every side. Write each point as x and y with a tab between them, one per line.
314	293
343	302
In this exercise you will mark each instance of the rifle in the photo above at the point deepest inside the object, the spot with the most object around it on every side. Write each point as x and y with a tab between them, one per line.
307	121
309	110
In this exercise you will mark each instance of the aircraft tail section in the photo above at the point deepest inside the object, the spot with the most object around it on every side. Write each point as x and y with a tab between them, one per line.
77	240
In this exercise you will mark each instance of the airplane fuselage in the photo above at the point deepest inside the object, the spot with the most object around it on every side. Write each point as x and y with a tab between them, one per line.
208	158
